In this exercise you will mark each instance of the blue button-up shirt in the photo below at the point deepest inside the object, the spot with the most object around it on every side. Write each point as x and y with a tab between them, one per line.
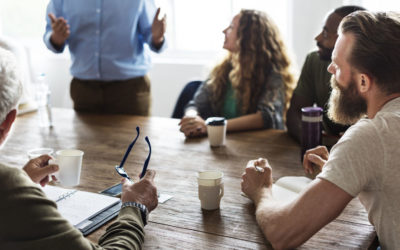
107	37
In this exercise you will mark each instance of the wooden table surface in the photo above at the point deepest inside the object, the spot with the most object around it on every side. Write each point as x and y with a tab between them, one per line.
180	223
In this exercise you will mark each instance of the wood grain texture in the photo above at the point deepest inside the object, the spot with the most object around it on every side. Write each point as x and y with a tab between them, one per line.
180	222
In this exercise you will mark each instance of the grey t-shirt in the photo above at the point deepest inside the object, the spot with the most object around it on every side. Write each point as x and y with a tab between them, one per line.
366	162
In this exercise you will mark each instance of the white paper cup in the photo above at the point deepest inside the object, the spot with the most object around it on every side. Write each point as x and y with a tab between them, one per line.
36	152
216	131
211	188
70	165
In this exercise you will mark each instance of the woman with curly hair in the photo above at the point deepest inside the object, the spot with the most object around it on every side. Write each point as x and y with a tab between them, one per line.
251	88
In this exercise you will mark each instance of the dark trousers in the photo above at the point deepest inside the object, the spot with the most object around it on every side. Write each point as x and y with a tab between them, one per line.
130	96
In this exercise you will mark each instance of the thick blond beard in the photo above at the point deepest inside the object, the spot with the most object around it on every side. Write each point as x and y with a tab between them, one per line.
346	106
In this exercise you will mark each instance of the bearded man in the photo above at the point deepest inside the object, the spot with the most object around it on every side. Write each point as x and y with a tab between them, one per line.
313	86
365	161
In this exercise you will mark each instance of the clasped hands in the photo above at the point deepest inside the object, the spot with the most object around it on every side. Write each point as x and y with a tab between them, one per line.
193	126
257	178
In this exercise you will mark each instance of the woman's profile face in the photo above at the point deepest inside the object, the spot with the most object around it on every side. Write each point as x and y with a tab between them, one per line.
231	35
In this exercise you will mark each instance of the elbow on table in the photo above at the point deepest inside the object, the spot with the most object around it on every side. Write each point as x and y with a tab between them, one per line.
281	238
283	242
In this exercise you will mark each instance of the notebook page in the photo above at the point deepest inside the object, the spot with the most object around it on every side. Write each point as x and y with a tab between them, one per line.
80	205
53	192
283	194
293	183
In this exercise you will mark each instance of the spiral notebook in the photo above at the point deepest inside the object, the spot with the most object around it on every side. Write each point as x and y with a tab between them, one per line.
84	210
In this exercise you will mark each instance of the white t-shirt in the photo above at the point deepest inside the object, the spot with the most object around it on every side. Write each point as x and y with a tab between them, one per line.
366	162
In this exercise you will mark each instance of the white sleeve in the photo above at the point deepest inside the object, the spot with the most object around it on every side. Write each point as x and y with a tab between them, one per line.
354	160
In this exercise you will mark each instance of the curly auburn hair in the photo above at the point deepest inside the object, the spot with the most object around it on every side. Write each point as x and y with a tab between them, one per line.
261	51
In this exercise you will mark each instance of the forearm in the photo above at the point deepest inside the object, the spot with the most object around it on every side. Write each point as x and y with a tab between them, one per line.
280	227
127	231
246	122
272	217
291	224
157	43
49	43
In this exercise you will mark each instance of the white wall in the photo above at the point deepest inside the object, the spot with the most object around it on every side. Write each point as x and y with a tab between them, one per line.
308	18
168	79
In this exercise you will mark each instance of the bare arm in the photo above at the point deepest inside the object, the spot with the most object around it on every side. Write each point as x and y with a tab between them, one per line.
293	116
290	225
246	122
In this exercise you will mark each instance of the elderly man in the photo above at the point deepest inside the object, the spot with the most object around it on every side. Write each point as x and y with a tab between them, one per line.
314	82
364	163
31	221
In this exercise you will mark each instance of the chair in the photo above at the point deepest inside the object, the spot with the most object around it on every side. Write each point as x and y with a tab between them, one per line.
185	96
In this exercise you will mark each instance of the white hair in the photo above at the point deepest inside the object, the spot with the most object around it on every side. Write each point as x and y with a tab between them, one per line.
10	83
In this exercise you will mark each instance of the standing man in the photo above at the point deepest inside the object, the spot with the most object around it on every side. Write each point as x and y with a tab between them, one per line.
365	161
110	61
314	82
29	220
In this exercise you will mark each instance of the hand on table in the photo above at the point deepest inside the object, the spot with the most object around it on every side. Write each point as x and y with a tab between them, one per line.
39	169
60	29
158	29
193	126
315	157
256	180
143	191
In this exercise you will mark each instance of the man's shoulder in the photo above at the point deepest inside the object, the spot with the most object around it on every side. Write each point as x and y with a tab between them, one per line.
313	59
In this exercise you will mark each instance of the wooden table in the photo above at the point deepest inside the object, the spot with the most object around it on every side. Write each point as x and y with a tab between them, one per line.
180	223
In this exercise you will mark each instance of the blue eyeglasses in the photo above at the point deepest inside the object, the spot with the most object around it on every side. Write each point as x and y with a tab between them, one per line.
120	168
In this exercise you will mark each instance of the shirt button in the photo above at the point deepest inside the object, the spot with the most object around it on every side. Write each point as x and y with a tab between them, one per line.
97	32
96	54
98	10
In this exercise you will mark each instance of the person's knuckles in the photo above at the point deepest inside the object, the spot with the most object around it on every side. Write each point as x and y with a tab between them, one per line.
267	170
249	169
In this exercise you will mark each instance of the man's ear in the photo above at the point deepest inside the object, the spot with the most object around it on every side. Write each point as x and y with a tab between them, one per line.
7	123
364	83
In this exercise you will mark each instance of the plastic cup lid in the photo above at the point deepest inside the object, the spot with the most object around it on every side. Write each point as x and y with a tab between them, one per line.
312	111
215	121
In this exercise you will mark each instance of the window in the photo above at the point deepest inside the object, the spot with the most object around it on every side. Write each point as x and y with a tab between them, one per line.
194	28
23	19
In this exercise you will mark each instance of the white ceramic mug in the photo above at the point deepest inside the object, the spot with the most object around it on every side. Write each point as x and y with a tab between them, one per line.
70	165
216	131
211	188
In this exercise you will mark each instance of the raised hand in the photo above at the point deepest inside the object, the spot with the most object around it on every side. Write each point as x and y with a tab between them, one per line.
60	29
158	29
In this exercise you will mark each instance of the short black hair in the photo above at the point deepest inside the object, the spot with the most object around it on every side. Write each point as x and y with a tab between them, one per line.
347	9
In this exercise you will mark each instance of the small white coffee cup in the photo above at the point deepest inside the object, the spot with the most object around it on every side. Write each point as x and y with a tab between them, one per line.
216	130
70	164
36	152
211	188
